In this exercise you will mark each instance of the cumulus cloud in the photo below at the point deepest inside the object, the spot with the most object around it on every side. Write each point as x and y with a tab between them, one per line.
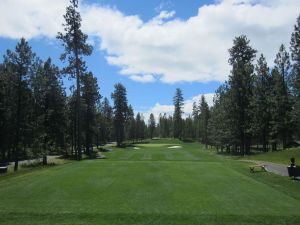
31	18
164	48
169	109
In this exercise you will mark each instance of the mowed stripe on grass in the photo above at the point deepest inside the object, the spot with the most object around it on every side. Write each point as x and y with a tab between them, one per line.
132	190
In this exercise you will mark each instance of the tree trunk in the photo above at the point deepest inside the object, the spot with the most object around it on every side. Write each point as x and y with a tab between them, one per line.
17	146
274	146
45	160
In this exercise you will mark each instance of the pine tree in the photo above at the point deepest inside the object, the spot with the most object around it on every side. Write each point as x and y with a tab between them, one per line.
74	42
203	120
120	111
49	109
18	66
260	103
105	122
151	124
240	85
91	98
281	95
130	125
295	83
178	105
195	115
6	127
220	133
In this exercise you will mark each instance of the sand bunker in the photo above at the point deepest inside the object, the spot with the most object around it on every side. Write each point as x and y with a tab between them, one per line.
175	146
136	148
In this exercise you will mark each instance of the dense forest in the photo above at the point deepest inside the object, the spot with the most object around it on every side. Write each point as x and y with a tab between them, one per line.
257	106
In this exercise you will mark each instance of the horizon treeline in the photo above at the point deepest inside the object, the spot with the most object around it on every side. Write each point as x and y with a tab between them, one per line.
258	105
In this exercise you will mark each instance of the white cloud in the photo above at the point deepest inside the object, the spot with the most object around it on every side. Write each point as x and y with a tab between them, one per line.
164	48
31	18
143	78
169	109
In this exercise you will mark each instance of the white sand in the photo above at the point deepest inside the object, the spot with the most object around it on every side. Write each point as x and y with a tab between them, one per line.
175	146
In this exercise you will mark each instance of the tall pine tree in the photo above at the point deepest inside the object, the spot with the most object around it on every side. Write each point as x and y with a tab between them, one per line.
75	43
240	90
178	111
295	53
18	65
120	111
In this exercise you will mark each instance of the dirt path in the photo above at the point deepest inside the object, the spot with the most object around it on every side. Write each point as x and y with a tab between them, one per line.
276	168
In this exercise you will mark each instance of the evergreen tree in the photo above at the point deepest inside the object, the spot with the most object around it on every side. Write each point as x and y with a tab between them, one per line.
6	125
220	133
151	124
195	115
281	97
240	85
295	83
187	131
120	111
130	124
91	98
260	102
203	120
74	42
139	127
71	122
49	109
18	66
178	105
105	122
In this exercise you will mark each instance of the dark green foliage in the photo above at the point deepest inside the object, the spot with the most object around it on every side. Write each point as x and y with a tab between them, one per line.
187	128
104	122
177	117
240	91
281	106
165	126
139	127
203	120
91	98
151	125
295	81
17	74
130	125
261	103
74	42
195	117
49	118
219	124
120	111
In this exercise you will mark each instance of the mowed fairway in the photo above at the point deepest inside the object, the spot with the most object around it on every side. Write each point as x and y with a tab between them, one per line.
150	185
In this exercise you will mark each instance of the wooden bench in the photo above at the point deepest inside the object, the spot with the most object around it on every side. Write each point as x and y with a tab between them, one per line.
261	167
3	169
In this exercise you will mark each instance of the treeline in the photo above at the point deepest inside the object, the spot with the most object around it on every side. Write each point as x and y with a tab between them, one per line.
37	118
258	105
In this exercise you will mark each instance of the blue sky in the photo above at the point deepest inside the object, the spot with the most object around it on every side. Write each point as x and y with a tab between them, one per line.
153	47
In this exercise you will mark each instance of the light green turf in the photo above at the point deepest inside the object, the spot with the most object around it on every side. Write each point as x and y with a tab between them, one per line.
150	185
282	156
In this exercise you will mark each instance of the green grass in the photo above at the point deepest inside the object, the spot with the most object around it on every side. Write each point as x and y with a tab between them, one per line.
150	185
282	156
